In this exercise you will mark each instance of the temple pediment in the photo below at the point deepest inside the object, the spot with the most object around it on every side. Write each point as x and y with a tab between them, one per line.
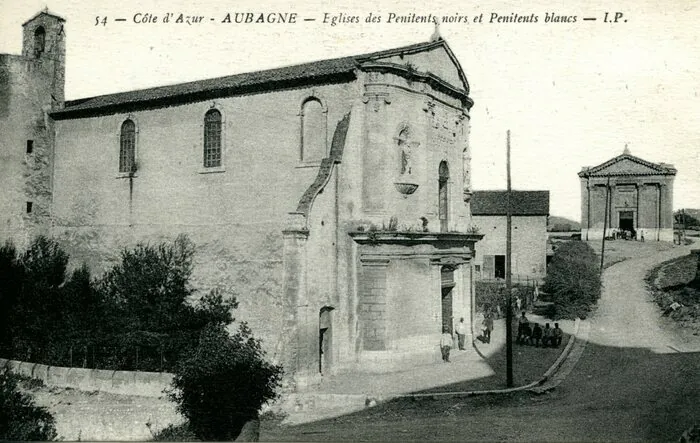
627	164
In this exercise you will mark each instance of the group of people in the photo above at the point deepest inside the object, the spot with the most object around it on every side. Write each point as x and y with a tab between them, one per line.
534	334
623	234
447	340
528	333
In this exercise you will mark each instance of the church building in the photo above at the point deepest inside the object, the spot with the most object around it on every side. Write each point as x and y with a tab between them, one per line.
638	196
332	197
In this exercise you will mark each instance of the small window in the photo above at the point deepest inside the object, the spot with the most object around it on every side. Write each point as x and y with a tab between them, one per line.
212	139
39	41
127	147
29	207
30	146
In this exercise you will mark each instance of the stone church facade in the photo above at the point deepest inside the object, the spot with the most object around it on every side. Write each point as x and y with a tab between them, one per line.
639	193
331	197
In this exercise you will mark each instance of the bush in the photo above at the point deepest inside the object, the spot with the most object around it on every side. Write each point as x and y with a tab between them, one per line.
20	418
174	433
224	383
573	280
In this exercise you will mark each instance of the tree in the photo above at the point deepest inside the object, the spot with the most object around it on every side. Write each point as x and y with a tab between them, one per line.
37	313
224	383
20	418
11	276
573	280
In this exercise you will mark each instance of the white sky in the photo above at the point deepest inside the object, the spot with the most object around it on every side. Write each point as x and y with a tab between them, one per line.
571	94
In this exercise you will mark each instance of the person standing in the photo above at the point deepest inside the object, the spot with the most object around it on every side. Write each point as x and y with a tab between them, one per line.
488	327
445	345
461	330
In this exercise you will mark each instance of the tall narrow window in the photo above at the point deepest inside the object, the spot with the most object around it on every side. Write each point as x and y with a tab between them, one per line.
39	40
212	139
30	146
127	147
443	204
313	131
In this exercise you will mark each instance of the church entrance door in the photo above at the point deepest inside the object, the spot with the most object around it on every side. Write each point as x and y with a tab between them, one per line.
626	220
447	280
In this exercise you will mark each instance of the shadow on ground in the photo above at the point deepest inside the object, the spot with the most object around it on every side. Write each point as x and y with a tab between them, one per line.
613	394
529	364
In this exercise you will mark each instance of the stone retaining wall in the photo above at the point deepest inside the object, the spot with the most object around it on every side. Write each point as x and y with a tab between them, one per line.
146	384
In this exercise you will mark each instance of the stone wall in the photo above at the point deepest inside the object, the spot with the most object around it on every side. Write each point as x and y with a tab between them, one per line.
234	214
144	384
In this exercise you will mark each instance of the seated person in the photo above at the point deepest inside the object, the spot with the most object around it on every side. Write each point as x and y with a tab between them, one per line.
524	334
547	335
536	335
557	335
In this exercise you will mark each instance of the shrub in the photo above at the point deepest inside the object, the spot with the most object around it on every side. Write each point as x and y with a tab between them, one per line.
573	280
174	433
490	296
224	383
20	418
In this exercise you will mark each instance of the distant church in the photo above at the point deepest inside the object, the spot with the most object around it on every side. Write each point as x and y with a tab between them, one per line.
638	196
332	197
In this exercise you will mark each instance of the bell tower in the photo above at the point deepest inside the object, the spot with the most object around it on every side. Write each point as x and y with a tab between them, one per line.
31	87
44	42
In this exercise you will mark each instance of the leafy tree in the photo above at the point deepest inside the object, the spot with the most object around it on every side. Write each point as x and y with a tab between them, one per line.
573	280
224	382
20	418
37	312
685	218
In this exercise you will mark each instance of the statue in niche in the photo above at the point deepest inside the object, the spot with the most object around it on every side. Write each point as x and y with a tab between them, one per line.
404	151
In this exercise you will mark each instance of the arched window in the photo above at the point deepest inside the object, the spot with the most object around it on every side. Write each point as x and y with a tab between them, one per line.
313	131
212	139
127	147
443	202
39	40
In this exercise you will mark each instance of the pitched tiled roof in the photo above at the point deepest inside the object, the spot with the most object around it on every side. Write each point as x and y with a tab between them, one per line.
522	203
290	76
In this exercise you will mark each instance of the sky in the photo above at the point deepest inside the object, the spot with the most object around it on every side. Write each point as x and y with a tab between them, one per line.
572	94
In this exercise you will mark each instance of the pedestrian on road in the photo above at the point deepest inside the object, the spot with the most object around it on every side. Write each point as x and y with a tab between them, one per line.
461	330
488	327
522	321
445	345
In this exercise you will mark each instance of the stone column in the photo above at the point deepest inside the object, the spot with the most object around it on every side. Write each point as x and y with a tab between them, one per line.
637	222
375	150
294	348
